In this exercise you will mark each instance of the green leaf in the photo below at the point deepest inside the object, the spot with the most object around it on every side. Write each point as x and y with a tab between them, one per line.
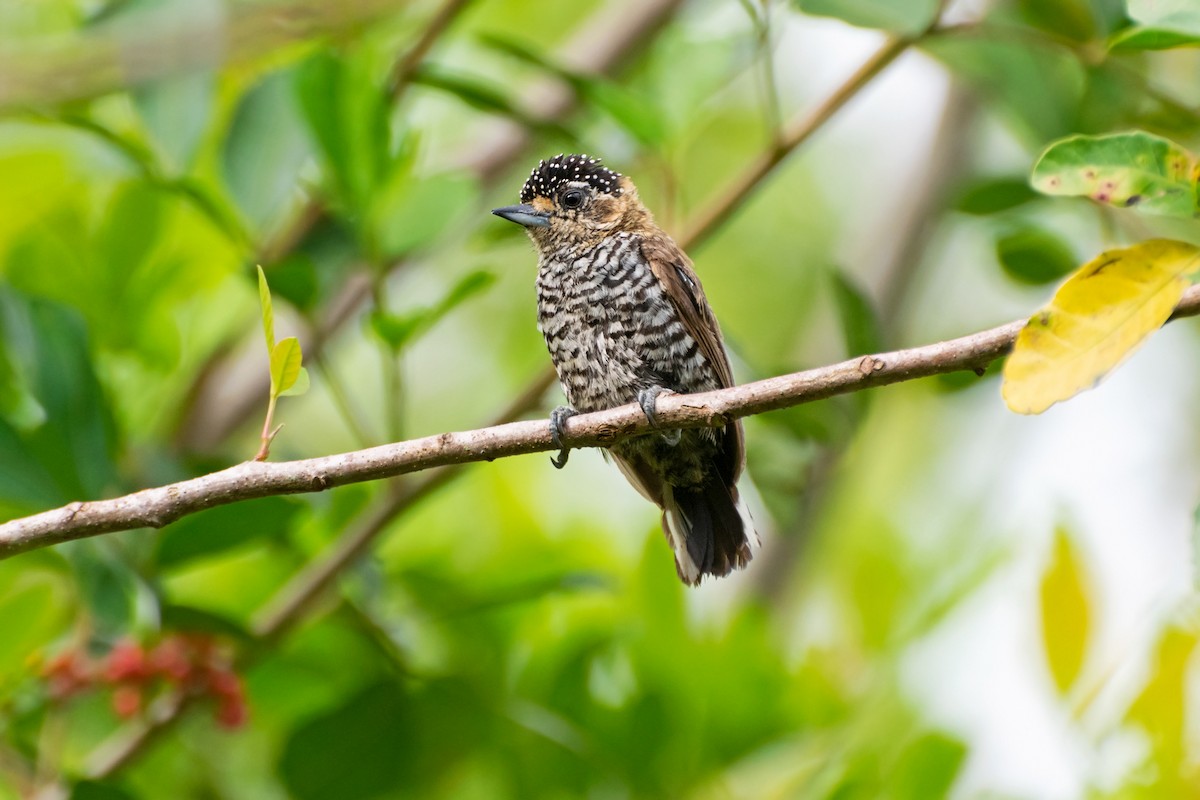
485	96
18	407
285	365
223	528
899	16
635	114
399	330
109	587
994	195
1034	256
409	212
70	456
927	767
1174	15
98	790
1139	38
176	111
265	150
860	323
347	111
1066	613
299	387
350	753
188	619
1127	170
1095	321
268	312
1071	19
37	605
1037	84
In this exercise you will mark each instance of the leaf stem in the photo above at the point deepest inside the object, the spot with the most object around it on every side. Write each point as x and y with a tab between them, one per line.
268	435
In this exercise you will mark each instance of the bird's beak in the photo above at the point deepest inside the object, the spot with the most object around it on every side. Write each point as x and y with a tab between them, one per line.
524	214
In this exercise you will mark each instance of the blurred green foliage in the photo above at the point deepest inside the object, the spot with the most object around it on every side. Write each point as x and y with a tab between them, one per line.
518	632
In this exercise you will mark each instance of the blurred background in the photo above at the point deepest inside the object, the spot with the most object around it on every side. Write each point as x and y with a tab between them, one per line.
951	600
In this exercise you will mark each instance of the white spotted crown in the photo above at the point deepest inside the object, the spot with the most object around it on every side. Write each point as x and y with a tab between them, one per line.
550	174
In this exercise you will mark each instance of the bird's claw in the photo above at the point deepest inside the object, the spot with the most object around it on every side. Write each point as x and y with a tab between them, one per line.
646	399
557	417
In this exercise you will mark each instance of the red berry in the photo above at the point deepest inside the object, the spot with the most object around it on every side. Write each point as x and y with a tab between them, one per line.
126	662
67	673
127	701
224	683
170	660
232	713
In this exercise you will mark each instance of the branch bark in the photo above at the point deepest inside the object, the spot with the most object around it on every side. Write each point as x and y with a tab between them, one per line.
163	505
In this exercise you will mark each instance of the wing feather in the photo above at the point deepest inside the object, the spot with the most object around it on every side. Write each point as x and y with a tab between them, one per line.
674	271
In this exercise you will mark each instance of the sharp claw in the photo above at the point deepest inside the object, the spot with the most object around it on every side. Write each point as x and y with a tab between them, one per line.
646	399
557	417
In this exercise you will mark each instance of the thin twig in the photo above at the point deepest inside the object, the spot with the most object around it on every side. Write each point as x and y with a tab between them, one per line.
728	204
158	507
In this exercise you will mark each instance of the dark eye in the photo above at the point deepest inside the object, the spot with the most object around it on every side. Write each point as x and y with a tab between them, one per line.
572	199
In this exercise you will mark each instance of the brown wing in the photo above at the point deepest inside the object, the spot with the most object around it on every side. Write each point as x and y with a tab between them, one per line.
674	271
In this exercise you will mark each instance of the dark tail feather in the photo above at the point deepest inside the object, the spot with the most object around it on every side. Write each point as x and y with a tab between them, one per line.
709	530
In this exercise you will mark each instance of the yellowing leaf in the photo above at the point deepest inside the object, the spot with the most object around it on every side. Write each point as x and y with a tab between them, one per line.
285	365
1066	621
1096	319
268	314
1160	708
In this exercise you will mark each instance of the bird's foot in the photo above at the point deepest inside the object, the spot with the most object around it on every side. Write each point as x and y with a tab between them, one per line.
557	417
646	399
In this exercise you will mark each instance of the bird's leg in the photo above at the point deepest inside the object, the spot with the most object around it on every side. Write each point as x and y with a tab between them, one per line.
646	399
557	417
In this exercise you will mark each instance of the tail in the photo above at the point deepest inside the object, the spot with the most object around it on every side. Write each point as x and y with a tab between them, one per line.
709	529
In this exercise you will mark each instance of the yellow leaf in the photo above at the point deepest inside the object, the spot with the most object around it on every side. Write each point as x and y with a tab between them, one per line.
1096	319
285	365
1160	708
1066	616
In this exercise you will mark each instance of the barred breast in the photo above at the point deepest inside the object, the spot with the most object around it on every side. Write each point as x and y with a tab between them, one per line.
611	330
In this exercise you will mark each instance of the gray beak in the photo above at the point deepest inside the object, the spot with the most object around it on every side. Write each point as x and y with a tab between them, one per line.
525	215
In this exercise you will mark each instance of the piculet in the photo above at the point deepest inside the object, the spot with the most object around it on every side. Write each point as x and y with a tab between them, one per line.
625	319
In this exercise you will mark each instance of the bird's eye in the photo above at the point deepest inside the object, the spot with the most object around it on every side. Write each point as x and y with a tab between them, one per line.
572	199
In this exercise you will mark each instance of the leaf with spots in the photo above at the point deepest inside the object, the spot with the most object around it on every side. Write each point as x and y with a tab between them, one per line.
1097	318
1127	170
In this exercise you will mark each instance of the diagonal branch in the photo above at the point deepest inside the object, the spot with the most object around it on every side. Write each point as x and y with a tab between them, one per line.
161	43
161	506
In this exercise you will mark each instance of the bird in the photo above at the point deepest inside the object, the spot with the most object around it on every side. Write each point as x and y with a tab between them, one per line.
625	319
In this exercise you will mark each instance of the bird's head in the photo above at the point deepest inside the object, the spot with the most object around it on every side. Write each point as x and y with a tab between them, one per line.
571	201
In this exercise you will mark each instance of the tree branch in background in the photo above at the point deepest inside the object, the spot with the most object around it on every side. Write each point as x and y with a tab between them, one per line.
124	55
249	480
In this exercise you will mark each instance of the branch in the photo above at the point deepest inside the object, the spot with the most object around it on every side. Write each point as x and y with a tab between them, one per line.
158	507
154	45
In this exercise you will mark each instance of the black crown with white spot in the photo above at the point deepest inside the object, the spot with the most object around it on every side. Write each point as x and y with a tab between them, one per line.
552	173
